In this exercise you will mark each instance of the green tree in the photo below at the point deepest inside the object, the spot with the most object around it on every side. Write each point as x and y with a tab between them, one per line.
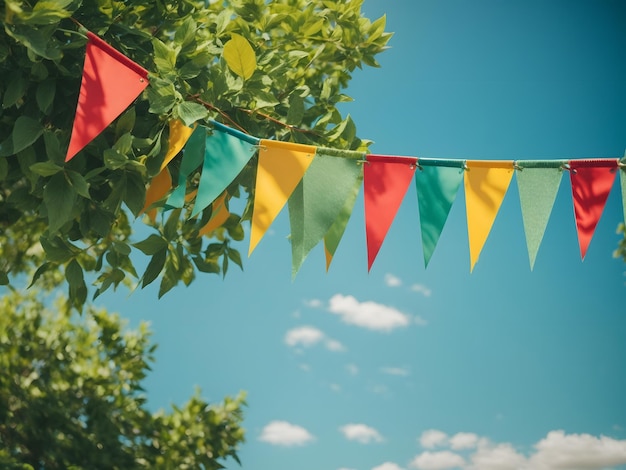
71	397
77	217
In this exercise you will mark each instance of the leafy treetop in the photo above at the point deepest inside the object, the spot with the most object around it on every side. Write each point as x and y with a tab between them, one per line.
295	59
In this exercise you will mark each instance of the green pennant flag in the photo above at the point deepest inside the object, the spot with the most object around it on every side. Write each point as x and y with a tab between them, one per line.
193	153
437	187
224	157
321	200
538	184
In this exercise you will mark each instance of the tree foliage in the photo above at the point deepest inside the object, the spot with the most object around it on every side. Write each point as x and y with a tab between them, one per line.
71	397
274	69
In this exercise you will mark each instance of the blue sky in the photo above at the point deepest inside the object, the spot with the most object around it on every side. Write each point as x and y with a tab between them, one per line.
407	368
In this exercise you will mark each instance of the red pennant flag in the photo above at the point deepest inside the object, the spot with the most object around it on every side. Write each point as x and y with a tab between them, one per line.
110	83
385	182
591	183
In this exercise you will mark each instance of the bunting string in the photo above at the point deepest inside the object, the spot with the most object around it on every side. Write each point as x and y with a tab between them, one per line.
320	185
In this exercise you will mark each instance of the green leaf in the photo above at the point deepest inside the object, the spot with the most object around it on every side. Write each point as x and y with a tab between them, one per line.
296	110
15	91
41	270
164	56
265	99
185	33
79	183
168	281
57	250
235	257
171	226
114	160
135	192
59	197
45	95
154	268
189	112
162	96
239	56
151	245
4	278
26	131
46	168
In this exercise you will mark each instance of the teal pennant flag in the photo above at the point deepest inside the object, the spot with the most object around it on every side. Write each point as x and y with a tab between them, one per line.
538	184
437	187
324	197
193	153
225	155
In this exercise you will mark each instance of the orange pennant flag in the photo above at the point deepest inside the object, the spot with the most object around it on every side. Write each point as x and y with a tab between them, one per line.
158	188
486	183
219	215
281	167
110	83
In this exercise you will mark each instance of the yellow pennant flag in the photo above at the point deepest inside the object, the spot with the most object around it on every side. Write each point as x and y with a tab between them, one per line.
281	167
158	188
219	215
486	183
179	134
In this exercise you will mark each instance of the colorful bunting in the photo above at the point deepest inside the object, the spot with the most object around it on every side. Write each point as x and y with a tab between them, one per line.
437	184
179	135
538	184
159	186
319	199
281	167
486	183
591	183
386	180
110	83
224	157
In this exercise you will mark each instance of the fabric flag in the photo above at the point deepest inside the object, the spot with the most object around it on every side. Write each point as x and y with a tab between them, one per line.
319	199
219	215
281	167
193	154
337	229
386	180
591	183
110	83
538	184
486	183
437	185
224	158
179	135
159	186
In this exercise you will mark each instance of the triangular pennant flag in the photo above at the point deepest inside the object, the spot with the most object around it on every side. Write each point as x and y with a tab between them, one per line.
159	186
219	215
318	201
437	187
486	183
179	135
386	180
224	158
591	184
281	167
193	154
538	184
110	83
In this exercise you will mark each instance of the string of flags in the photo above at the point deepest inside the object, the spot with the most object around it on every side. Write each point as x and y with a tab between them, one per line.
320	185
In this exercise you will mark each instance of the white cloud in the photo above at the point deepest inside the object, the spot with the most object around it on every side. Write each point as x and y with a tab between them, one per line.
308	336
361	433
370	315
334	345
352	369
388	466
422	289
304	336
313	303
557	450
577	451
464	440
392	281
399	371
282	433
433	438
437	460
